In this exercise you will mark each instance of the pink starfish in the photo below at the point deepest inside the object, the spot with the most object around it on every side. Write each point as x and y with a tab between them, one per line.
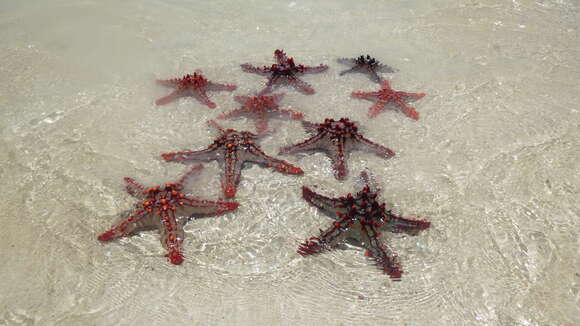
360	217
285	71
165	208
261	107
232	149
387	95
195	85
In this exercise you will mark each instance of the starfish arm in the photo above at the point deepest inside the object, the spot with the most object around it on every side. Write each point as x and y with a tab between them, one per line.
337	154
170	98
172	235
272	80
230	178
374	76
257	156
347	71
261	123
199	207
215	125
207	154
139	220
400	224
407	110
201	95
221	87
134	188
383	256
295	115
327	240
386	68
365	95
379	150
316	69
232	114
173	82
193	171
301	85
377	108
280	57
256	70
311	127
331	206
309	144
242	99
346	61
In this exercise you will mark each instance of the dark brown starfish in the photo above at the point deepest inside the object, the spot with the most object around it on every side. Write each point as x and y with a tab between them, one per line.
261	108
359	218
387	95
337	139
284	71
232	149
165	208
195	85
367	65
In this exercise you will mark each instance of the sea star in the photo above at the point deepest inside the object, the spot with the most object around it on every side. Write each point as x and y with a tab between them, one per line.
386	95
285	71
337	138
261	107
165	208
232	149
195	85
367	65
359	218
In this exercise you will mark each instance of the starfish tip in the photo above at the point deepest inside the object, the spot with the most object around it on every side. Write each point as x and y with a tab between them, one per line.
175	257
106	236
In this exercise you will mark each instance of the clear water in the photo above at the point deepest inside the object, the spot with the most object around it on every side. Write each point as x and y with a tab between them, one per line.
493	163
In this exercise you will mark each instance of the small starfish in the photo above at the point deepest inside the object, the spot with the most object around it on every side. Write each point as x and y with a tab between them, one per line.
285	71
386	95
165	208
337	138
261	107
367	65
359	218
195	85
232	149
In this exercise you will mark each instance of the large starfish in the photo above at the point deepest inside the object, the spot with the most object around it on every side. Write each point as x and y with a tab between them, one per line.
232	149
359	218
261	108
337	138
387	95
368	65
195	85
284	71
165	208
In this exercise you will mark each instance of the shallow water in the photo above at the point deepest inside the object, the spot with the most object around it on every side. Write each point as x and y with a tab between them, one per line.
492	163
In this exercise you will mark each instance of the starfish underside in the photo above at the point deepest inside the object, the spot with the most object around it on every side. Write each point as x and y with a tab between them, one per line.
261	108
337	139
386	96
165	208
232	149
195	85
359	218
367	65
284	71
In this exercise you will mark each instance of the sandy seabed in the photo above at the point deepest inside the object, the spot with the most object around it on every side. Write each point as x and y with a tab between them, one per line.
492	163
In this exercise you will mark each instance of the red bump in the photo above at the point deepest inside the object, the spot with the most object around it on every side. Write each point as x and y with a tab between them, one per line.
175	257
107	236
230	191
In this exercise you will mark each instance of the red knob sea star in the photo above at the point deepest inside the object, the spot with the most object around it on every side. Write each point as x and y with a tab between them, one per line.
337	138
232	149
387	95
284	71
195	85
165	208
261	107
359	218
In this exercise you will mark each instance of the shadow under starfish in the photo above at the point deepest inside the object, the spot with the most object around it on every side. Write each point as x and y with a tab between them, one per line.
167	209
337	138
232	149
359	218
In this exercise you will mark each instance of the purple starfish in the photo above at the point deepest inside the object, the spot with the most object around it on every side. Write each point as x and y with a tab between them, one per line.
195	85
232	149
261	107
337	138
359	218
387	95
368	65
284	71
165	208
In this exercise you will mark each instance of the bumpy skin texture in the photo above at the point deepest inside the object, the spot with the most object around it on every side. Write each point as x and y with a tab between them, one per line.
360	218
167	209
261	108
337	138
195	85
385	96
232	149
367	65
284	71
